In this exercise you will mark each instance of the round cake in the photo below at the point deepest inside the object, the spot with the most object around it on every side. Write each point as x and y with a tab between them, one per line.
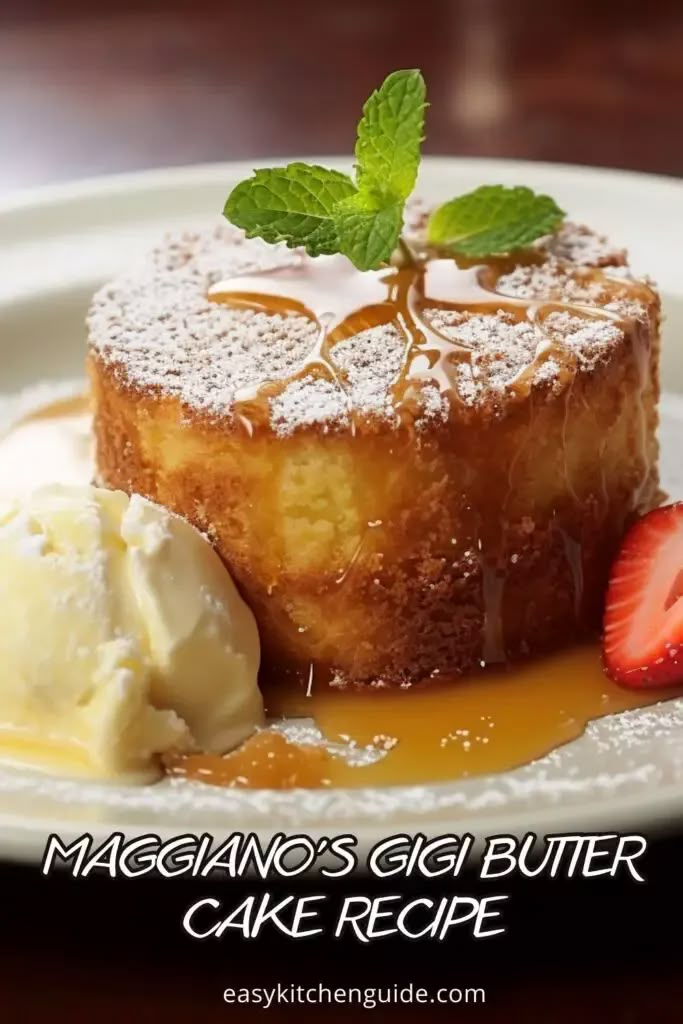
410	472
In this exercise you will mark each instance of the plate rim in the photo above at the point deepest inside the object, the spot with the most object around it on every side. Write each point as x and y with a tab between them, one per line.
88	186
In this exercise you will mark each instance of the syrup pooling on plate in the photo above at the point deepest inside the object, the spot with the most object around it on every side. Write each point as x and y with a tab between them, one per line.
266	761
436	732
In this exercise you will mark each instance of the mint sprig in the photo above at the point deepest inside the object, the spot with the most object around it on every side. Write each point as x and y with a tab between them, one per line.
493	220
327	212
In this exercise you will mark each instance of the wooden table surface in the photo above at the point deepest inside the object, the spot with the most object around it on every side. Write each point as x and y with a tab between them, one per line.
87	88
92	87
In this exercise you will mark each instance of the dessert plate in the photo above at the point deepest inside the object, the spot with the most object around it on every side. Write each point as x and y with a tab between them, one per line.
59	244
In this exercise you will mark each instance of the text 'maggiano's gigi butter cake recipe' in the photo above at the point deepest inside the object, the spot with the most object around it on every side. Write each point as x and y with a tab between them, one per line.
406	445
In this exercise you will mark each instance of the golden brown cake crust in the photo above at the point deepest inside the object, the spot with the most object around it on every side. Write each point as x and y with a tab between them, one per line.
404	548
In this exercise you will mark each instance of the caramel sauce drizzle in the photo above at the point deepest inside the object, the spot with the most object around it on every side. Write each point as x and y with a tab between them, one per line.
343	301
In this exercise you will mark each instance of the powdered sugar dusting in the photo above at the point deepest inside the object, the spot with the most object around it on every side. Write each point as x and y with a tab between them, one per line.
550	281
308	402
587	339
157	326
502	347
371	362
575	243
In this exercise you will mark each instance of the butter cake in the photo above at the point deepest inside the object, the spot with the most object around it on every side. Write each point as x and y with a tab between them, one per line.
409	472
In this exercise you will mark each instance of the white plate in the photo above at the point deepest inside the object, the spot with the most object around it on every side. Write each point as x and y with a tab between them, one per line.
626	771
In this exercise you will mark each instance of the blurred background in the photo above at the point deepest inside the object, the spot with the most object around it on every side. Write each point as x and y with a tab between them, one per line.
87	88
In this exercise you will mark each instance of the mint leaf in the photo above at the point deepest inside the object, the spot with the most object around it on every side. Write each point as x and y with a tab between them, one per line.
493	220
324	212
293	204
390	134
368	229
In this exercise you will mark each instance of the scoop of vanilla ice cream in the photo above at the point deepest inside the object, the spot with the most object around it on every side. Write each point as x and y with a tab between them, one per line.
123	636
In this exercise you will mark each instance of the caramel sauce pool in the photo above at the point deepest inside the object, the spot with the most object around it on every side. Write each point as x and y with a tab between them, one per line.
434	732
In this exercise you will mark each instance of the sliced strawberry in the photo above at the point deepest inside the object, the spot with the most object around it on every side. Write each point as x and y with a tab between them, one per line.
643	638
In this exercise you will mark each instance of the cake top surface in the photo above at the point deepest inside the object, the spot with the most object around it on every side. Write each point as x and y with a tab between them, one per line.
215	320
